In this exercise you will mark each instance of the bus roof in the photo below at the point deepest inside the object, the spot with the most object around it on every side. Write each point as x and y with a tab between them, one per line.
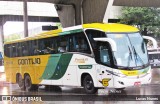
109	27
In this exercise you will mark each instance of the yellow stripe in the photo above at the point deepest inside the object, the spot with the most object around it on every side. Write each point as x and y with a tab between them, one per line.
39	36
130	73
111	27
104	27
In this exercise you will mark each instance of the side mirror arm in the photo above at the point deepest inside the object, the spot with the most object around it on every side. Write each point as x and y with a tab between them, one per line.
155	45
110	41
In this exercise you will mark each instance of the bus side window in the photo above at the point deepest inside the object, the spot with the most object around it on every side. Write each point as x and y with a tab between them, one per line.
19	50
14	50
36	51
72	44
33	46
54	45
49	47
30	48
104	53
25	49
94	34
63	44
41	47
81	43
7	50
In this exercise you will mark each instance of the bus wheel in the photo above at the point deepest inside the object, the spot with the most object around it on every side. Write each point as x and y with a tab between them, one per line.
28	84
89	85
20	82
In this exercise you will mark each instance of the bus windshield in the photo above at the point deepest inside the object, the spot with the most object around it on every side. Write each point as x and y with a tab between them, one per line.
131	50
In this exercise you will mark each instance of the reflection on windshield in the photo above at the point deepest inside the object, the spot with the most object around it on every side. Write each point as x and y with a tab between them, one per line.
131	50
139	49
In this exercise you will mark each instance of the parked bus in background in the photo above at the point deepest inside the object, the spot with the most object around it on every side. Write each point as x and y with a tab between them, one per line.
92	56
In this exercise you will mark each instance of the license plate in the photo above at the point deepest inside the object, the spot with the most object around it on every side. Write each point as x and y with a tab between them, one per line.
137	83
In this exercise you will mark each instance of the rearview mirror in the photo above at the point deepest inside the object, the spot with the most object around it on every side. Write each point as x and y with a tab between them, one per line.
155	45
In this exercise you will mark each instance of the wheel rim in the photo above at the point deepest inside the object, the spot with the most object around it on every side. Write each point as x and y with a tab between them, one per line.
20	81
89	84
28	83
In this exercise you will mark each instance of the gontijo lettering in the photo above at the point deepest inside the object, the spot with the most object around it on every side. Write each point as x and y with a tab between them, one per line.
29	61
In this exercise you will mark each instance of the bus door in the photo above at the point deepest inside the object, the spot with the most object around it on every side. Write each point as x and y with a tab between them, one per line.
105	59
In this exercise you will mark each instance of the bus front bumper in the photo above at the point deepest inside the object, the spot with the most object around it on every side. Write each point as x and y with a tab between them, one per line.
122	82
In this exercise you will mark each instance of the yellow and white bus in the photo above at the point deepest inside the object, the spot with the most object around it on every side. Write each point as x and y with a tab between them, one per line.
92	56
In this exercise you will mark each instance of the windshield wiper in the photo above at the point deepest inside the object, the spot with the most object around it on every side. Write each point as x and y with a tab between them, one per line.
137	56
130	56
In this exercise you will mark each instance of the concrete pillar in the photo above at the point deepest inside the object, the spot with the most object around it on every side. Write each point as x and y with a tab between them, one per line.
66	14
94	10
77	12
25	18
69	12
108	10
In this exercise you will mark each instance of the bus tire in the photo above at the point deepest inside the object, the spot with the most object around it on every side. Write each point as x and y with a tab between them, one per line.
28	84
20	82
89	85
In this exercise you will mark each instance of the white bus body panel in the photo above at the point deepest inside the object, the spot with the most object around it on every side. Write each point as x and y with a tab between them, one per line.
76	68
132	80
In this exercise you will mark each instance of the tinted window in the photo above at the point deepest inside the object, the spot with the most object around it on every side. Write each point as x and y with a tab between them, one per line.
63	44
76	42
79	43
94	34
104	53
